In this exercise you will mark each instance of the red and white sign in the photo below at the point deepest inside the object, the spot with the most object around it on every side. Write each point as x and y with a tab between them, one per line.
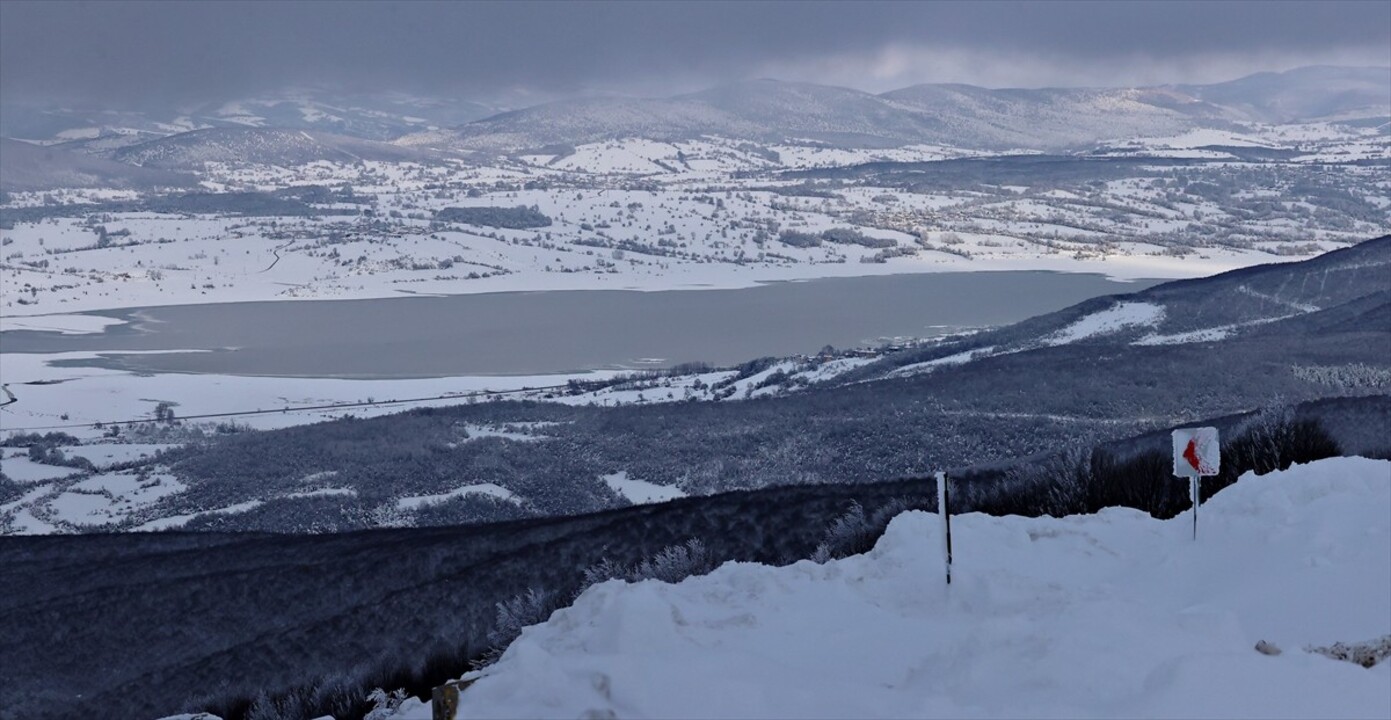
1196	452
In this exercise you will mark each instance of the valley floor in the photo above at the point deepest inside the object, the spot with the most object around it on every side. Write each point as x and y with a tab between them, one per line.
1109	615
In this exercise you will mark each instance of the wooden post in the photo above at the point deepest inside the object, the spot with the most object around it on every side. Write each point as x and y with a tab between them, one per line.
444	700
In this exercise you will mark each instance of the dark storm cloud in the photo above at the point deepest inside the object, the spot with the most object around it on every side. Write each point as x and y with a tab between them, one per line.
164	51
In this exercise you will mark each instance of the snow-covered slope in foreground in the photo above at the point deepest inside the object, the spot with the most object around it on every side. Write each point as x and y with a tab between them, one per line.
1110	615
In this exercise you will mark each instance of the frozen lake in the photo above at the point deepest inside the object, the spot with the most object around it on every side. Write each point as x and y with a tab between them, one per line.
523	333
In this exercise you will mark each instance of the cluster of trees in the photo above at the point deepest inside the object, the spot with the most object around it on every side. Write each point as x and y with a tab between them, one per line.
256	204
520	217
835	236
1012	405
1138	472
416	607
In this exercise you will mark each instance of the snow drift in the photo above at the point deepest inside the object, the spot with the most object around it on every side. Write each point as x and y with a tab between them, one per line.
1107	615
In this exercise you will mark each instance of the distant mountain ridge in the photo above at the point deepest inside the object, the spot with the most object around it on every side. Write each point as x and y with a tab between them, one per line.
296	127
370	116
1302	93
958	115
263	146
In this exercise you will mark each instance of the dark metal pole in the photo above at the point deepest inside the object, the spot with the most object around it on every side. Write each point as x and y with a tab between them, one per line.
946	517
944	509
1196	488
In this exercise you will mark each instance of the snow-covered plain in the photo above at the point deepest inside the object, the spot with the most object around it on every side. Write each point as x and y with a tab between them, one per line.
1108	615
99	395
706	212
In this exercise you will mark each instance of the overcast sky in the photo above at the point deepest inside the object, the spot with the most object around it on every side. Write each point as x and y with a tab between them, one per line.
137	52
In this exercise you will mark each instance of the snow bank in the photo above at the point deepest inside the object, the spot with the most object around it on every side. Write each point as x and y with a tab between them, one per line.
64	324
1108	615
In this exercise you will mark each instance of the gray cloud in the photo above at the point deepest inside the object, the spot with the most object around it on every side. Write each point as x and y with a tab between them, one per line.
144	52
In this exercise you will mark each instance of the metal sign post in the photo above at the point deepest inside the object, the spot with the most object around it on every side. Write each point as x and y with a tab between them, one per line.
1197	452
943	509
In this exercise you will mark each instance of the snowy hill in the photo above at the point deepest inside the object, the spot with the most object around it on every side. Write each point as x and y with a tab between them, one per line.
371	116
770	111
976	116
1304	94
34	167
1263	311
950	114
955	115
1108	615
259	146
839	116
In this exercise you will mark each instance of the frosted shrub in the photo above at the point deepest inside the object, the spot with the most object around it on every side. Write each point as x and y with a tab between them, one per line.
1366	654
287	706
1274	438
671	564
676	563
384	704
855	532
336	695
845	531
528	608
602	571
1071	482
1267	433
1355	376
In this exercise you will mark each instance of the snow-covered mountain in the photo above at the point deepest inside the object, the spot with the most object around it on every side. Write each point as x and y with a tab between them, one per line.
380	116
955	115
1108	615
771	111
762	110
369	116
974	116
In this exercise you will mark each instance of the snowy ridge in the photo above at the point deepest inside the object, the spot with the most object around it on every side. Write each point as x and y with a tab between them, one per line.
952	114
1109	615
258	146
930	365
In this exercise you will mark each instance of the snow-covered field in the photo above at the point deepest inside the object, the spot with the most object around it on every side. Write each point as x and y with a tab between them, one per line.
200	266
708	212
1108	615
